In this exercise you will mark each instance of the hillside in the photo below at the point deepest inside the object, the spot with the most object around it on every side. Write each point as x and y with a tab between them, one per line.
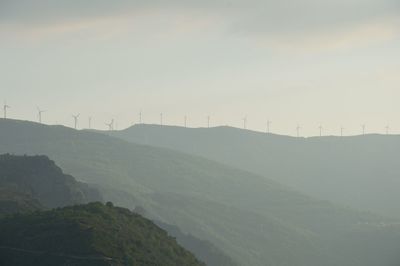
14	201
92	234
252	219
351	171
37	177
204	250
23	183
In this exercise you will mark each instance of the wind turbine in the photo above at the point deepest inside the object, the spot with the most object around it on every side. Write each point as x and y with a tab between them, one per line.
363	129
320	130
341	131
90	122
5	107
110	125
268	126
208	121
76	120
245	122
140	117
40	112
298	130
161	119
387	129
185	121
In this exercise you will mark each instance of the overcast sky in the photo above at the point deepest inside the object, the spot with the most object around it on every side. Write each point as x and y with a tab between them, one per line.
307	62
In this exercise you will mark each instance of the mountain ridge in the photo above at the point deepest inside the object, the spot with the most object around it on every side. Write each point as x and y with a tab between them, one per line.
253	220
345	170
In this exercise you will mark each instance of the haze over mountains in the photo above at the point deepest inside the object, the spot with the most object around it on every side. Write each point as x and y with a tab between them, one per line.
359	171
40	179
32	184
254	220
102	177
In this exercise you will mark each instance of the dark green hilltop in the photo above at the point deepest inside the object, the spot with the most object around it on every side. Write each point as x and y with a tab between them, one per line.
91	234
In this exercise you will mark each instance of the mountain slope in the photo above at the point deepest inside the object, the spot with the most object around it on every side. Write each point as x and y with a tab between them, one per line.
39	178
14	201
361	171
203	250
28	182
92	234
252	219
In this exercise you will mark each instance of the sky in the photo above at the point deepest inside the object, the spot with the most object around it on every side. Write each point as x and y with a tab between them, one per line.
334	63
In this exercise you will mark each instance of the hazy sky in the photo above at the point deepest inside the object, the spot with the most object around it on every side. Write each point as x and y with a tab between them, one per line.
335	62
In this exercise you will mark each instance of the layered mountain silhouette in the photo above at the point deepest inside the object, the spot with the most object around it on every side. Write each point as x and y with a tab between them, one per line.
358	171
35	183
253	219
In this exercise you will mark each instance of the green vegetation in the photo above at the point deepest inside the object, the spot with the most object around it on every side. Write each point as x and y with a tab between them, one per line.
250	218
92	234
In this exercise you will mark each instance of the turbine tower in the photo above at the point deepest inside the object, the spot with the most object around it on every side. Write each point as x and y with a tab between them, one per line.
90	122
341	131
387	129
40	112
208	121
245	122
185	121
363	129
140	117
76	120
298	130
320	130
161	119
268	126
110	125
5	107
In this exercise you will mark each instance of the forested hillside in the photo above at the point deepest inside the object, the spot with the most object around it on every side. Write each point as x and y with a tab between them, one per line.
92	234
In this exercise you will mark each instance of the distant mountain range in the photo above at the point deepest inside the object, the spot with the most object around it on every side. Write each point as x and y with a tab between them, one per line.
253	219
362	172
